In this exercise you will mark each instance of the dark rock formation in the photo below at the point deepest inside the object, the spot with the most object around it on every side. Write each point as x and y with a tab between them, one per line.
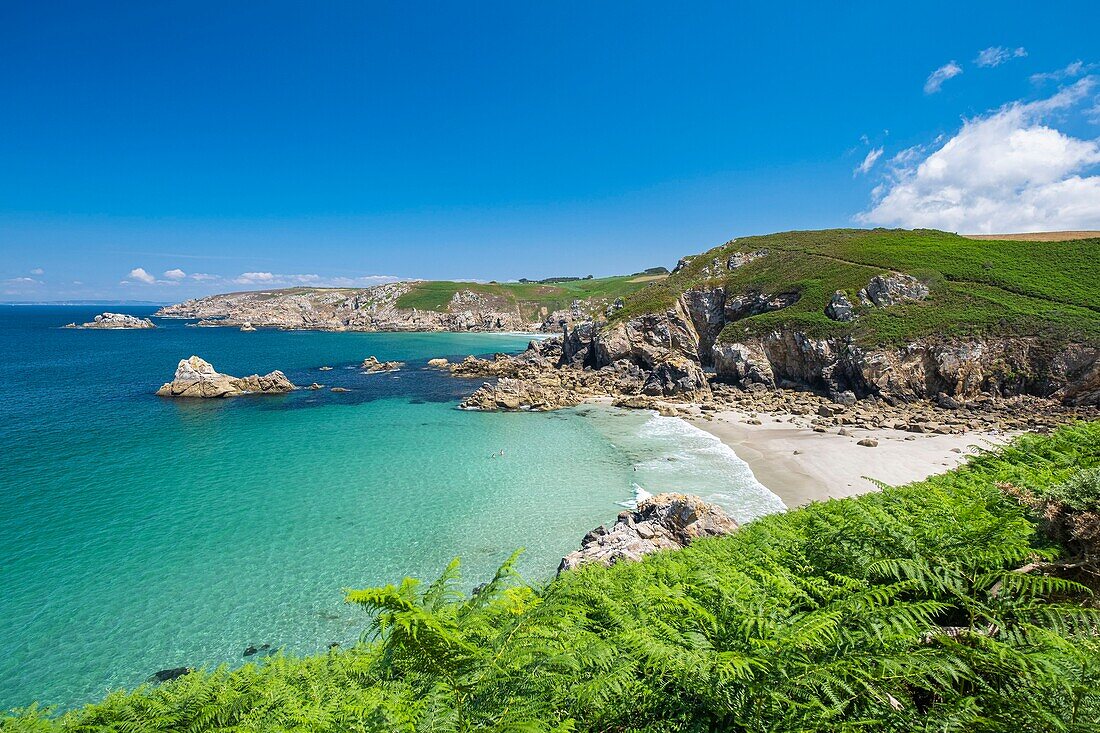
167	675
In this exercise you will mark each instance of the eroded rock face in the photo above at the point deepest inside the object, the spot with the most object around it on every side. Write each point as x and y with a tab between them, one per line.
116	321
676	375
196	377
662	522
743	364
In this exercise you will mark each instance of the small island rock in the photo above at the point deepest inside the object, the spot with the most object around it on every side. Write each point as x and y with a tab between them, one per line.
196	377
116	321
372	365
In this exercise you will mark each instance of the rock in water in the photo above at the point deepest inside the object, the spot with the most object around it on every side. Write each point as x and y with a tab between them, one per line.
662	522
372	365
167	675
116	321
196	377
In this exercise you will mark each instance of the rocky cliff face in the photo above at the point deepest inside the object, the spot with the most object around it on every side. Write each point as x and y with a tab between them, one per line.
196	377
673	347
367	309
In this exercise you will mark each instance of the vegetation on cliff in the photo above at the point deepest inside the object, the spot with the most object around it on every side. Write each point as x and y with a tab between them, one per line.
922	607
977	287
531	299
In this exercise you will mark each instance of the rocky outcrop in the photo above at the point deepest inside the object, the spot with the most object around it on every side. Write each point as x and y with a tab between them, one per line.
197	377
371	365
662	522
886	290
116	321
840	308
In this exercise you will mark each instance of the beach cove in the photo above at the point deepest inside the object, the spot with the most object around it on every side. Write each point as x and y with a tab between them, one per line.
141	534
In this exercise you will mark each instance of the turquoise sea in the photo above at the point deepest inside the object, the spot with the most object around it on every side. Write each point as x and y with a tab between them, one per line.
139	533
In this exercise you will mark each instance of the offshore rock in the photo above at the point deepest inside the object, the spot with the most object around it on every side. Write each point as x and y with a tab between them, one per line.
662	522
372	365
116	321
196	377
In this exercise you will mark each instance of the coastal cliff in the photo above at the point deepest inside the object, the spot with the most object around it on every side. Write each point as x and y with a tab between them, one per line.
848	316
417	305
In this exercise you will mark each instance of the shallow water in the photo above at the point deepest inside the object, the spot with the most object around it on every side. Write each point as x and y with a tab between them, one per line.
139	533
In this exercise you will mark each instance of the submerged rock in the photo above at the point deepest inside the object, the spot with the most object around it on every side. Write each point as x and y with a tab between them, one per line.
116	321
196	377
167	675
662	522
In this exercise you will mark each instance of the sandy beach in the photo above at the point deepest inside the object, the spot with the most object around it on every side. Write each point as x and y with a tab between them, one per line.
802	466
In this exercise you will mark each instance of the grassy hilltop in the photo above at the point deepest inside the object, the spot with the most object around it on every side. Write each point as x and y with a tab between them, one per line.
912	609
529	298
978	287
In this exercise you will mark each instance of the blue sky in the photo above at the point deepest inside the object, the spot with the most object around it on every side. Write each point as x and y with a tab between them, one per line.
162	150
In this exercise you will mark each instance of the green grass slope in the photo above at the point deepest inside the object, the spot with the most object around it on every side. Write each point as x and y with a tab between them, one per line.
897	611
978	287
529	298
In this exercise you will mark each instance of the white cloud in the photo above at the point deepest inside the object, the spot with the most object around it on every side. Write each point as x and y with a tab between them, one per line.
23	281
939	76
997	55
176	274
270	279
139	274
868	162
1006	171
1069	71
254	278
204	277
38	271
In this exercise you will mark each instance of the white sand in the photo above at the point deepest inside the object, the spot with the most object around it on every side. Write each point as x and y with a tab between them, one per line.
801	466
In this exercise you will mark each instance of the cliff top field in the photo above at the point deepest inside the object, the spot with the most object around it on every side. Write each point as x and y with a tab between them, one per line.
917	608
530	298
978	287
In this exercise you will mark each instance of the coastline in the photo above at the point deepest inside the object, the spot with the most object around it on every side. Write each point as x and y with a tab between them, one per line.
802	466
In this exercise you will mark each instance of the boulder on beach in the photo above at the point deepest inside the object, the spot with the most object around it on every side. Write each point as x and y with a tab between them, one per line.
116	321
196	377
